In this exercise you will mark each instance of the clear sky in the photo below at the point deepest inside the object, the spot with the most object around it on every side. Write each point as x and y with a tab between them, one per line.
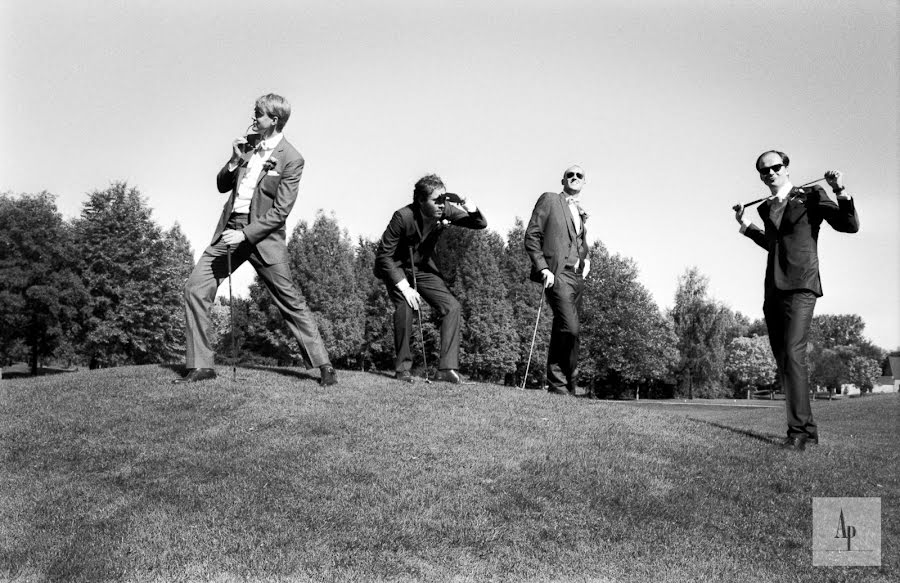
665	103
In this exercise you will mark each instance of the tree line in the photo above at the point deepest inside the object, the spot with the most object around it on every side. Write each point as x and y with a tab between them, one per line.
105	289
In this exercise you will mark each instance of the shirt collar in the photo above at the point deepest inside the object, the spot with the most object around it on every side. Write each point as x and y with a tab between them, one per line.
270	142
784	191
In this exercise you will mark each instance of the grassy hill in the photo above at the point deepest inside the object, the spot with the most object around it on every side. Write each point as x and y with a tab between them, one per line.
117	475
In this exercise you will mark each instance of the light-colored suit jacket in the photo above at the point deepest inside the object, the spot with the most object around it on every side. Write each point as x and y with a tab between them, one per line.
550	238
273	198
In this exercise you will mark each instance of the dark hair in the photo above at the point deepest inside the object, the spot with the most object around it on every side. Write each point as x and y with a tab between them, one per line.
425	186
784	158
275	106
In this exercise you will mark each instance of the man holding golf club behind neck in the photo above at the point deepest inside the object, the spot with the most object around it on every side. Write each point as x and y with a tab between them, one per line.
404	261
262	176
791	218
556	242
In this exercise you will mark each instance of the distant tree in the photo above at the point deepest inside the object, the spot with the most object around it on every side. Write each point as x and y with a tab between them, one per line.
863	372
829	330
525	297
829	367
701	325
626	340
757	328
489	338
40	293
322	262
749	363
134	273
377	347
264	338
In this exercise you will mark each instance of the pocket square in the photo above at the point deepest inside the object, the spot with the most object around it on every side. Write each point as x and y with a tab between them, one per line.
271	173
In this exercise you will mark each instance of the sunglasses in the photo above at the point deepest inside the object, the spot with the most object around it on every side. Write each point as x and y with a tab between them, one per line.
577	175
776	168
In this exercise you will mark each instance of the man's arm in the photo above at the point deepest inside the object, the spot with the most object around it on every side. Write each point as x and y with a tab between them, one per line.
756	234
460	216
534	233
285	197
841	216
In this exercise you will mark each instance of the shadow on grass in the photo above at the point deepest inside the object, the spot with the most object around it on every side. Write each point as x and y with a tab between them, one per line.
22	371
288	372
764	437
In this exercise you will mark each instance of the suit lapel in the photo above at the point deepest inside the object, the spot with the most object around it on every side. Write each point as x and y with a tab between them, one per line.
567	214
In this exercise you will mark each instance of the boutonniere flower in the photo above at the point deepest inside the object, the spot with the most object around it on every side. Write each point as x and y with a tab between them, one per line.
582	213
270	164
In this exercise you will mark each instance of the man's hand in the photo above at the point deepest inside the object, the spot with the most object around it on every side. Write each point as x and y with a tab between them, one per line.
739	213
587	268
238	146
412	297
233	238
835	179
548	278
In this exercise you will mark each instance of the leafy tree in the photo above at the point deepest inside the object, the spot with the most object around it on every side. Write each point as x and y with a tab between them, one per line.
749	363
626	341
829	367
377	347
322	261
489	339
40	293
525	298
701	325
134	273
830	330
863	372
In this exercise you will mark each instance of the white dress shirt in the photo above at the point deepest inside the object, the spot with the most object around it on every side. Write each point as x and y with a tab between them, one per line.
255	165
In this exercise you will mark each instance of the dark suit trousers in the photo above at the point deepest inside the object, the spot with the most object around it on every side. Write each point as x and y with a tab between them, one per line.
208	274
564	298
433	289
788	318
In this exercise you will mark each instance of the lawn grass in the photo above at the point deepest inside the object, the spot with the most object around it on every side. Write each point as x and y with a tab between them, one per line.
117	475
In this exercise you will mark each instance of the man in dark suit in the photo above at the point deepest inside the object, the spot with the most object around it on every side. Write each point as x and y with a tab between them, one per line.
791	220
408	242
556	242
262	176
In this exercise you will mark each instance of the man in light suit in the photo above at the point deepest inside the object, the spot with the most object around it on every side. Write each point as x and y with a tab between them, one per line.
262	176
556	242
791	220
408	243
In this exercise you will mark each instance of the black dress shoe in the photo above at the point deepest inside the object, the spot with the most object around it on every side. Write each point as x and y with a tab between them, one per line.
404	375
196	374
795	443
328	376
448	376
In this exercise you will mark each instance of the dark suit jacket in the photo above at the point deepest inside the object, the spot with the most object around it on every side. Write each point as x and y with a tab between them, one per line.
550	238
408	229
795	243
273	199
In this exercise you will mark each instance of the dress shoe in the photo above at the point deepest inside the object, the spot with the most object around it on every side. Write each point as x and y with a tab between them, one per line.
448	376
328	376
196	374
404	376
795	443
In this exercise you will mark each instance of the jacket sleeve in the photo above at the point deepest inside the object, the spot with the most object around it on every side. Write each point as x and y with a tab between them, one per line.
841	216
225	179
460	217
386	266
285	197
757	235
534	233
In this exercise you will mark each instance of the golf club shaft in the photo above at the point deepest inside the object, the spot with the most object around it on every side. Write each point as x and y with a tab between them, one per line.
533	336
231	315
757	201
412	265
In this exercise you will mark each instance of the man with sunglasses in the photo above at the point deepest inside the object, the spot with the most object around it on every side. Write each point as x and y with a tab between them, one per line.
556	242
408	244
791	220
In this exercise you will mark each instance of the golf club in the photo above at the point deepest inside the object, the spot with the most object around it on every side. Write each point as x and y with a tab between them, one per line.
749	204
533	336
231	312
412	265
